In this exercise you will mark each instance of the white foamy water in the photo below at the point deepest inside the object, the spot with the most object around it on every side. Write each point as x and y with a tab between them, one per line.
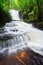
24	35
13	14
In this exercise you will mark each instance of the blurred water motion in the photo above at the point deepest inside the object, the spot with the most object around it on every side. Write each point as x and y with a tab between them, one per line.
20	43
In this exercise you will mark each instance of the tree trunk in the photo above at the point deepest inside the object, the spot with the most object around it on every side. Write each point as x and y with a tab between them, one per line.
39	11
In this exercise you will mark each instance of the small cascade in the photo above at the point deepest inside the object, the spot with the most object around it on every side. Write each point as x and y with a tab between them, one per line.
14	15
18	35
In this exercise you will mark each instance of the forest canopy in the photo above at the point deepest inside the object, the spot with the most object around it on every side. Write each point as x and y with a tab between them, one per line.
32	10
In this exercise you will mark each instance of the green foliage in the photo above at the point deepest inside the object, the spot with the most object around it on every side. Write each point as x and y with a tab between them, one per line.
29	9
32	10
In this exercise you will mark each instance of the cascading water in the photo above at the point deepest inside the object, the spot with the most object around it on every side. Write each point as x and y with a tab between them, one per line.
18	35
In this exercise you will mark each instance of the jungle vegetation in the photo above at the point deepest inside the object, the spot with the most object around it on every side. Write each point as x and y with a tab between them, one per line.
32	11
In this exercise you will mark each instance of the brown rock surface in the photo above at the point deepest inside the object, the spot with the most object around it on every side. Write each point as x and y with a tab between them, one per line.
23	57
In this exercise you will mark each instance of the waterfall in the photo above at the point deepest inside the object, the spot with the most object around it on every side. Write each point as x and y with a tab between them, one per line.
18	35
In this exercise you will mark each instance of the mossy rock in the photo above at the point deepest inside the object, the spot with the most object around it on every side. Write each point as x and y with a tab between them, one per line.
39	25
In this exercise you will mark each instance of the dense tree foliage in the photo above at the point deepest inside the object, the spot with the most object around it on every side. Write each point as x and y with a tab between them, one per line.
32	10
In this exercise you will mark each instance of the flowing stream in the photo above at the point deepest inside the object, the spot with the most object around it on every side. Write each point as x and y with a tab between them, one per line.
18	35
